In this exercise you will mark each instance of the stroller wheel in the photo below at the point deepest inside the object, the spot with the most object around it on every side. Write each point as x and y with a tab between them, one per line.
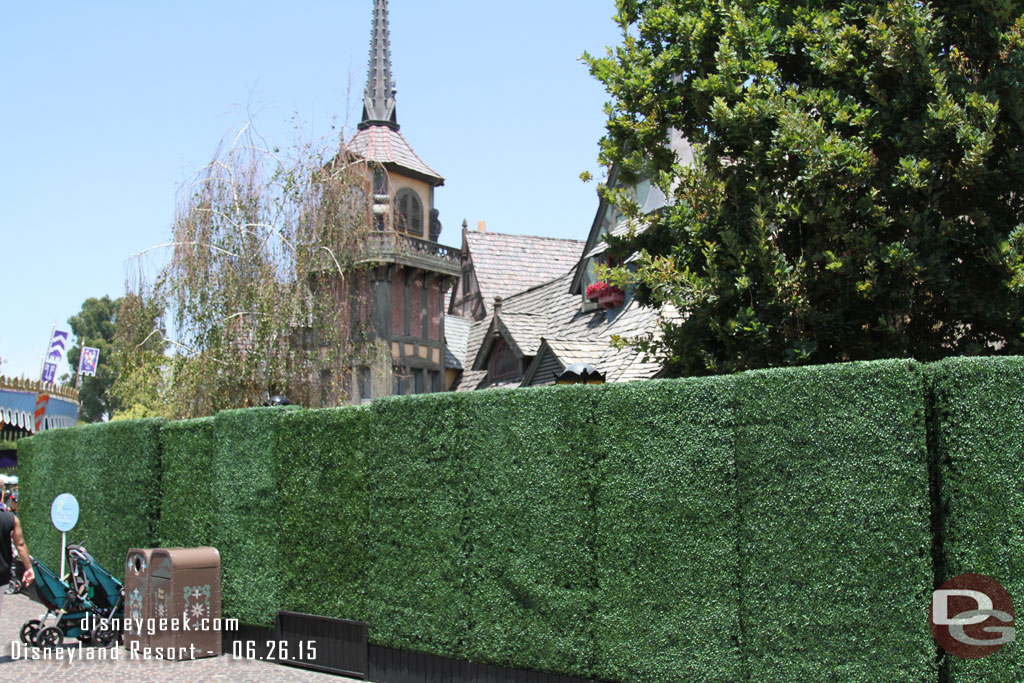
51	636
13	586
29	630
103	636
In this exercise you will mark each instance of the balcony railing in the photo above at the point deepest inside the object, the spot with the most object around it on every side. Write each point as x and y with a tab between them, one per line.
395	247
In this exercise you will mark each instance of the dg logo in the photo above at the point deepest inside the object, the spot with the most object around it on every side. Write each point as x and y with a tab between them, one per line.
971	616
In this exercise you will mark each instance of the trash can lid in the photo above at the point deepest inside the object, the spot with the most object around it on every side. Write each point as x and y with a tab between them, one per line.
189	558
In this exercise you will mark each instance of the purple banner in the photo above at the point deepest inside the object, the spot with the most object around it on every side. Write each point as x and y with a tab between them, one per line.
50	373
90	359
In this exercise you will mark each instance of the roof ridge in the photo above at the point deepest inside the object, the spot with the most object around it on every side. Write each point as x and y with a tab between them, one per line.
537	237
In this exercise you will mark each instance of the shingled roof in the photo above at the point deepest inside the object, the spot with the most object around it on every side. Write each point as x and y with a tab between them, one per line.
509	264
456	339
388	146
550	319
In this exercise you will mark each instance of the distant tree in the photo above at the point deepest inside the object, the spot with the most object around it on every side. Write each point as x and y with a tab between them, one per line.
95	326
857	189
258	297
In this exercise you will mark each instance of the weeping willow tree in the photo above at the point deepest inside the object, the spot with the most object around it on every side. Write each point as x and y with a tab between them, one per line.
259	296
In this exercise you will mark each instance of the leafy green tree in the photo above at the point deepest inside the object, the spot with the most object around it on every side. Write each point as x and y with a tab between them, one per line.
96	326
857	185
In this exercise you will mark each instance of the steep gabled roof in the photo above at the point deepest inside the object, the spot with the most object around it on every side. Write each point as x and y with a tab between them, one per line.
549	319
387	146
509	264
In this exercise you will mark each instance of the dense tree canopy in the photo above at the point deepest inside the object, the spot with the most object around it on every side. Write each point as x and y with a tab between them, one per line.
857	188
95	326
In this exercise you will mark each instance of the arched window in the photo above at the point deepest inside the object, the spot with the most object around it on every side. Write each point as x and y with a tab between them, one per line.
409	212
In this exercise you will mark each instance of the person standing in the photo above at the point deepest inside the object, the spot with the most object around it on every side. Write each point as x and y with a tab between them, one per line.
12	539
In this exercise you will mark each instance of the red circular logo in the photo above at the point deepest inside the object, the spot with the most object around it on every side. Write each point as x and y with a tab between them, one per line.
971	616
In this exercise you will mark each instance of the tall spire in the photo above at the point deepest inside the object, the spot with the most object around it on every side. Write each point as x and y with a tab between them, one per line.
379	98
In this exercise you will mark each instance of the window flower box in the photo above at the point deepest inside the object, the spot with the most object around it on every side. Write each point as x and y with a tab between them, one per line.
595	290
611	297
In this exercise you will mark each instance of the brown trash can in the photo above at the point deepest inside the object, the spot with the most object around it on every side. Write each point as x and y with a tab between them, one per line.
137	603
184	586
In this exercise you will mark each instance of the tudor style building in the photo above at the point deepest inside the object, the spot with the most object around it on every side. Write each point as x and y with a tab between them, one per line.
406	273
529	337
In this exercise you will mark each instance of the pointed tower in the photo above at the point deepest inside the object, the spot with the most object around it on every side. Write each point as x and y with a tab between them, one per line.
410	183
379	98
408	273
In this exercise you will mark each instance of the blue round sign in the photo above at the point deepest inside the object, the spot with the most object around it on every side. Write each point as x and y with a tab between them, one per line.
64	512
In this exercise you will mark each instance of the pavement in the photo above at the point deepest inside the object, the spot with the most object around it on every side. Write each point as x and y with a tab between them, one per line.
88	664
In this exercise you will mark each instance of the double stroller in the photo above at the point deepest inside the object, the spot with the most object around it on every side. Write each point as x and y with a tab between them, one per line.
90	608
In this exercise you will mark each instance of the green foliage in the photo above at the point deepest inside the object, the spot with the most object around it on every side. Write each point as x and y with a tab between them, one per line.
835	541
417	580
95	326
857	189
528	527
113	470
324	518
977	421
247	501
140	385
771	526
667	603
188	512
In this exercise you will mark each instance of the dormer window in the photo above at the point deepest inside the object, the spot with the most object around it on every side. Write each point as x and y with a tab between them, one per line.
504	362
409	212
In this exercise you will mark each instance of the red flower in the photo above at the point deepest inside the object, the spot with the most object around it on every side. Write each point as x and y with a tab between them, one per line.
597	289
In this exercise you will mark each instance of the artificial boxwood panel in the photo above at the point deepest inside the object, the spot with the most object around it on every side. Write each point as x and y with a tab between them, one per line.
248	504
667	599
529	527
978	444
322	468
113	470
835	547
417	579
188	512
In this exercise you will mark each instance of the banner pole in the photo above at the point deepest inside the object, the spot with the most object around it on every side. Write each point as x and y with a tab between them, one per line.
81	359
63	541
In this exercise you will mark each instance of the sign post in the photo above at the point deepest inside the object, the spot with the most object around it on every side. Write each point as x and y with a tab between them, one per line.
64	515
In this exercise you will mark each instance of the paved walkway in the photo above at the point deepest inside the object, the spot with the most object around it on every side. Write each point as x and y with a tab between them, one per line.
19	663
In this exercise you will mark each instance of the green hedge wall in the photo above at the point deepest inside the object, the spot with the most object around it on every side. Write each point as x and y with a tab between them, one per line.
835	547
249	515
416	584
768	526
977	428
528	529
114	472
324	526
667	600
188	512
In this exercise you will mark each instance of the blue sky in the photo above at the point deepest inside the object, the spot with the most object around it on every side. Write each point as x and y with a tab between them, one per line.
108	107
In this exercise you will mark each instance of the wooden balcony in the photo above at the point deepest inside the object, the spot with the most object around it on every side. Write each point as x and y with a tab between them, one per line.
395	247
